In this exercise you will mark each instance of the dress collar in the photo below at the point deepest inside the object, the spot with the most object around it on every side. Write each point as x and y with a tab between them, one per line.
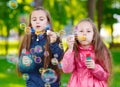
40	37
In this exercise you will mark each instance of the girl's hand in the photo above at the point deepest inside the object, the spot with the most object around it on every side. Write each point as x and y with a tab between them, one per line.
53	36
70	41
90	64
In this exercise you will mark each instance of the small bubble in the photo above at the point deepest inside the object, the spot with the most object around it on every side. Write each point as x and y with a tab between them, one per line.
54	61
25	76
22	26
12	4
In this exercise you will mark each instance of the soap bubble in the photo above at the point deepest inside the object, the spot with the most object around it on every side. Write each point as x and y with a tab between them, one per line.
38	49
46	53
26	62
49	76
25	76
54	61
37	60
47	85
12	4
12	58
22	26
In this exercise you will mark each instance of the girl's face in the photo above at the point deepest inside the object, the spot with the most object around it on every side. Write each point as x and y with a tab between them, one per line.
39	20
85	30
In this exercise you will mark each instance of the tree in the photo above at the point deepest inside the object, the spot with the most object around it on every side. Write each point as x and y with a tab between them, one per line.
99	13
91	8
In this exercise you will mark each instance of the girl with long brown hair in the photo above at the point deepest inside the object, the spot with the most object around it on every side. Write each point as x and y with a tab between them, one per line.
87	57
40	52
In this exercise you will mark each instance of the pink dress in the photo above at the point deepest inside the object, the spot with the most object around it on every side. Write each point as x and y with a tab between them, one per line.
81	75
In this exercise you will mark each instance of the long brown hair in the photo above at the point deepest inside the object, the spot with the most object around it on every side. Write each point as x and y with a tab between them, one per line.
103	56
27	40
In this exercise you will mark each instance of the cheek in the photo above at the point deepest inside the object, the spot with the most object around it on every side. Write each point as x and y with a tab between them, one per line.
90	37
32	23
44	23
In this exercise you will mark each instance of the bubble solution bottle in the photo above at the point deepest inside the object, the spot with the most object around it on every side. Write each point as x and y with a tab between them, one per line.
88	57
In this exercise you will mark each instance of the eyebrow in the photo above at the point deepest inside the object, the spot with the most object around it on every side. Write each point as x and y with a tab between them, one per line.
41	17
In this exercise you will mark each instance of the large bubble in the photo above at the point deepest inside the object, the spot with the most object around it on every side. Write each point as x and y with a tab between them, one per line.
49	76
26	62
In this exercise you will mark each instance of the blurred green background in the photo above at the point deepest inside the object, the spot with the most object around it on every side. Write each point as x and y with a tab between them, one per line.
65	14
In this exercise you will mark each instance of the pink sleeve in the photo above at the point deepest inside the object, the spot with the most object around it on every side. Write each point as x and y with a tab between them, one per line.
68	62
100	73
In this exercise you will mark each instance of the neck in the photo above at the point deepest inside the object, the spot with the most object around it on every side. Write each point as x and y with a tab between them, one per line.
85	46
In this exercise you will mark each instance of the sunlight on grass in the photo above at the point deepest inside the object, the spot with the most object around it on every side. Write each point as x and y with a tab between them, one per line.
116	69
3	75
15	85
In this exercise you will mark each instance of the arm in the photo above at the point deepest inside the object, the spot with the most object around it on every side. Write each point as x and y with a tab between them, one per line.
100	73
68	62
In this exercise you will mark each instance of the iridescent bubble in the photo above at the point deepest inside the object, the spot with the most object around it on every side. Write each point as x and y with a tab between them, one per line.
22	26
37	60
23	51
64	84
38	49
26	62
41	70
33	56
54	61
60	65
12	4
47	85
27	30
46	53
62	32
11	58
61	45
55	55
32	50
49	76
25	76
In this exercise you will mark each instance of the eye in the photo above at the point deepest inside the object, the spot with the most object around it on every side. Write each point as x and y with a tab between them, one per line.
88	31
41	18
34	20
81	31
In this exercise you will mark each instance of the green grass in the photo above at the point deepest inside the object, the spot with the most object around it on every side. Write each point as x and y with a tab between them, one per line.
9	78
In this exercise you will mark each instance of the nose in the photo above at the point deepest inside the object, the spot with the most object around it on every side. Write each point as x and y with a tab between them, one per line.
37	21
84	33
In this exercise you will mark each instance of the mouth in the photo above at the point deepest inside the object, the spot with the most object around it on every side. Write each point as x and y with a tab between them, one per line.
38	27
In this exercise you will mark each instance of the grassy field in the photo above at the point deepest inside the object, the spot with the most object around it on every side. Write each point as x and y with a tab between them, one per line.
8	76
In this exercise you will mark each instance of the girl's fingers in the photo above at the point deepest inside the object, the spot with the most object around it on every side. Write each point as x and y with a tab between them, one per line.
53	36
90	64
